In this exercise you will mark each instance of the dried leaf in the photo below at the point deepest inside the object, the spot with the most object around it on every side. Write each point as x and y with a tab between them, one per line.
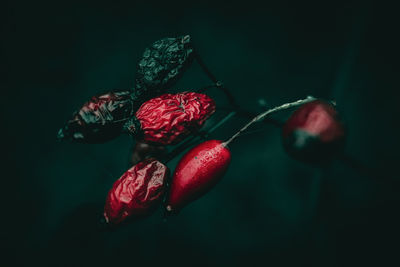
162	65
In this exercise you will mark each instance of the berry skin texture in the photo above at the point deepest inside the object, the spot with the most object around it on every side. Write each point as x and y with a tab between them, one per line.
314	133
197	172
137	193
169	118
101	118
162	64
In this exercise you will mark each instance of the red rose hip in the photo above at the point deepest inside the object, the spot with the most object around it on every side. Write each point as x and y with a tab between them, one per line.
169	118
137	193
197	172
314	133
101	118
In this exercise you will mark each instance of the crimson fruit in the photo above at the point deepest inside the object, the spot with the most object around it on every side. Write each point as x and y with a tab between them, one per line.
314	133
197	172
137	193
169	118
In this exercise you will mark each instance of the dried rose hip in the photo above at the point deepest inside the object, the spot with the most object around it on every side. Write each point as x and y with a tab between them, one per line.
314	133
197	172
162	64
137	193
100	119
169	118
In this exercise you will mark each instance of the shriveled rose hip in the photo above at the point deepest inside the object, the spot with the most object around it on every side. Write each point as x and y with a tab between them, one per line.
169	118
101	118
137	193
314	133
197	172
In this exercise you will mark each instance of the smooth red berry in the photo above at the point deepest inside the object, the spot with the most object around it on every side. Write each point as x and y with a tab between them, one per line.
197	172
137	193
314	133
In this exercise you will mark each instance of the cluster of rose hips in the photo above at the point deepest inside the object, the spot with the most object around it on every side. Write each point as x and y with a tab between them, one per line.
313	134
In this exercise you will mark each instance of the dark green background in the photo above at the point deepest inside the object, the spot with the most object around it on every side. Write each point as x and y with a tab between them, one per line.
269	209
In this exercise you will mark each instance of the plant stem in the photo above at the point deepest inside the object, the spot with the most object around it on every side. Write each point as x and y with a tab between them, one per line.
176	151
271	121
221	122
205	88
217	83
265	113
195	138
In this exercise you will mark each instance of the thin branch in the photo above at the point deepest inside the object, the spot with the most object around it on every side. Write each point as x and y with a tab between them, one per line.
205	88
264	114
217	83
177	150
220	123
249	114
190	141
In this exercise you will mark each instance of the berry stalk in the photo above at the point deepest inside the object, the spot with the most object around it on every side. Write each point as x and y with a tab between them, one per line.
195	138
217	83
262	115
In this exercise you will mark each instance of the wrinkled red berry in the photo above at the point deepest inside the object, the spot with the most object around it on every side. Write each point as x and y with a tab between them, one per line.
314	133
169	118
101	118
137	193
197	172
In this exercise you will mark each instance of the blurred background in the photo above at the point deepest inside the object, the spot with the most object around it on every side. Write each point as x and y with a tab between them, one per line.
268	209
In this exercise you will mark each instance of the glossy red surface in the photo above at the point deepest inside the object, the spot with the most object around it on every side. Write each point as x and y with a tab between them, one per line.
137	192
318	118
170	117
197	172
